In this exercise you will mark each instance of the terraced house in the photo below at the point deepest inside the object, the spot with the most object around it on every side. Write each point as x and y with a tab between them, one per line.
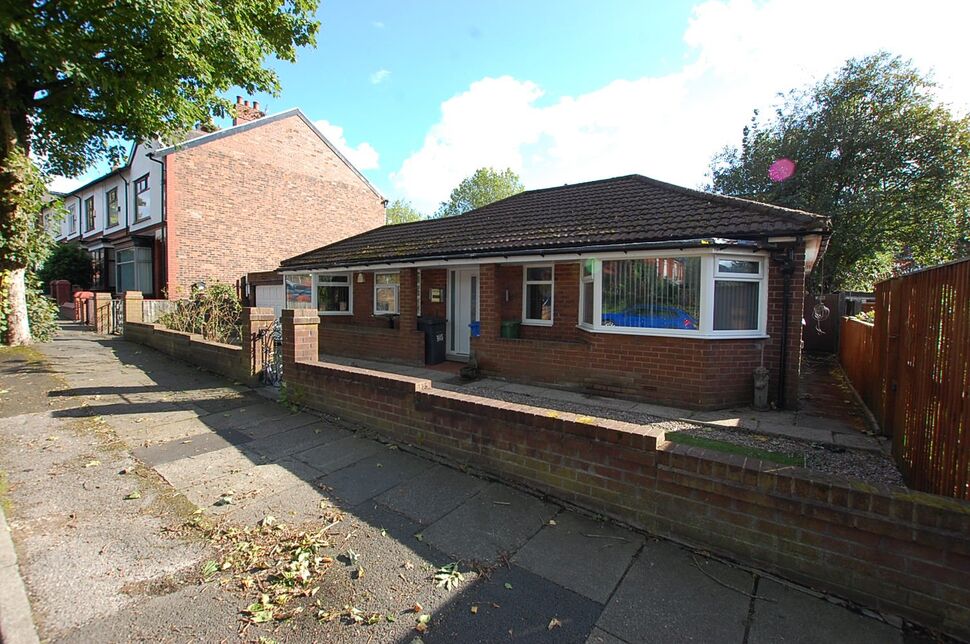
627	286
218	205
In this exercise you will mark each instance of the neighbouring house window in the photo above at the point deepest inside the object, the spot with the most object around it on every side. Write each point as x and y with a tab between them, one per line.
737	295
71	219
89	214
143	203
586	291
134	269
387	293
694	294
299	291
334	294
111	209
537	295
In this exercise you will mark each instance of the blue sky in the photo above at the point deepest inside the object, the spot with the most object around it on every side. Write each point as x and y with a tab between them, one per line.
421	93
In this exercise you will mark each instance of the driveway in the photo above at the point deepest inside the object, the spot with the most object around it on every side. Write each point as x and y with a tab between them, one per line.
114	447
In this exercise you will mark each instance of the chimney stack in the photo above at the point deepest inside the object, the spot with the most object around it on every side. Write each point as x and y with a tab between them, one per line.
245	112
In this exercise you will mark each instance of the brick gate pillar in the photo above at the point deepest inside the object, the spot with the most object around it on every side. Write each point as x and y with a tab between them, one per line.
102	313
256	322
300	336
133	312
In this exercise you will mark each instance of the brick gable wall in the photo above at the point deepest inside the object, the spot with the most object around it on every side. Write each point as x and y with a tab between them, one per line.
245	202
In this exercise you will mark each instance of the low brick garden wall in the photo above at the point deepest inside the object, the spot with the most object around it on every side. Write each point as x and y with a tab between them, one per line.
241	363
894	550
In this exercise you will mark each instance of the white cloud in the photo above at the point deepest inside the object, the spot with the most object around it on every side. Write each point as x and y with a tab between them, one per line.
364	156
741	55
380	76
377	24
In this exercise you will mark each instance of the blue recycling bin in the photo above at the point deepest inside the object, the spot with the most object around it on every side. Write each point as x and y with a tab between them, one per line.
476	328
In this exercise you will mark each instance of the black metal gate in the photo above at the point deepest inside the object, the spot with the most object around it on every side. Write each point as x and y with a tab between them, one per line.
268	344
117	321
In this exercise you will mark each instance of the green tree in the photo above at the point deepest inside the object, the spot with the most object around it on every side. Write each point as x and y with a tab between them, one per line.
70	262
77	75
482	188
401	212
875	150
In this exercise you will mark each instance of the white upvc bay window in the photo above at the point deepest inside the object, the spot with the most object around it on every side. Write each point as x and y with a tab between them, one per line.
690	293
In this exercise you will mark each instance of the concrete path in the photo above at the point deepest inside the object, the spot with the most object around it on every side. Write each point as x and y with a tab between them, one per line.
535	572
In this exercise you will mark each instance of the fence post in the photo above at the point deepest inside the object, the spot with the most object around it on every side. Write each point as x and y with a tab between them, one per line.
894	322
254	322
133	310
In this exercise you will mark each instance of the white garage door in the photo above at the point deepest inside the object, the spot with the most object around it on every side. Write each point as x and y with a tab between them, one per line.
270	296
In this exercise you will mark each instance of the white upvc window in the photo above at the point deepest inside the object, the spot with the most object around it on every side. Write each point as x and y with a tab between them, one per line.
71	219
695	293
334	294
134	270
538	294
387	293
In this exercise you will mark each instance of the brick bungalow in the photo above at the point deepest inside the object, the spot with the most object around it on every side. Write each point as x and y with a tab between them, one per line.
628	287
218	205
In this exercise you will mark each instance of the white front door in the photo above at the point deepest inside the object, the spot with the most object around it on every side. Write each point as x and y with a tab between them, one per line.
462	309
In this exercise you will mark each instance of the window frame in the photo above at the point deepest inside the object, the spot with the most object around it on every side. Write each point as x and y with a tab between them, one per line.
72	220
107	208
135	261
526	282
144	180
319	280
394	287
710	273
90	214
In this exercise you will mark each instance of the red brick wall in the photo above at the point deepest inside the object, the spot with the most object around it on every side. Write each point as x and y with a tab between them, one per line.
244	202
365	335
698	374
434	278
902	552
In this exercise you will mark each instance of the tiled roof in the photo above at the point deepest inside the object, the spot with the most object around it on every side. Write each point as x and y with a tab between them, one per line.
625	210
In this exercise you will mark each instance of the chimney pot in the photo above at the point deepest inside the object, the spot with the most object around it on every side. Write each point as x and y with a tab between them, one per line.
239	99
255	105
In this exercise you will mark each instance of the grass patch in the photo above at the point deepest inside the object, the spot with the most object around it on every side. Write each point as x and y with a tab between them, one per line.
782	458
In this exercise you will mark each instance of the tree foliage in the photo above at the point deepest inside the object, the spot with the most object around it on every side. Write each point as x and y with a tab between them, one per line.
873	149
212	312
77	76
487	185
70	262
401	212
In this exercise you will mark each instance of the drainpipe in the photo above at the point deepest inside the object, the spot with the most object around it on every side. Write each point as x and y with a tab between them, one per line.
164	258
787	263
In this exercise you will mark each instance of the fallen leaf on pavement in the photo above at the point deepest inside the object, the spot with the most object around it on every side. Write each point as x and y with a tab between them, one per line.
131	496
554	623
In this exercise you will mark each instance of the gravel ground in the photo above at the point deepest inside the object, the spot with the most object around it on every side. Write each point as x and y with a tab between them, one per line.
851	464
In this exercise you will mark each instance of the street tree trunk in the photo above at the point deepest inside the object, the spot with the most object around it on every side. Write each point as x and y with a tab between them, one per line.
13	285
14	139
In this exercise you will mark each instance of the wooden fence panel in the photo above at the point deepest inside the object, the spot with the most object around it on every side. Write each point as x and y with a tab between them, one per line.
913	372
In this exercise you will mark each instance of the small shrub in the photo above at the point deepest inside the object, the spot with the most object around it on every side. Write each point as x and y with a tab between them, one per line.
41	312
866	316
212	312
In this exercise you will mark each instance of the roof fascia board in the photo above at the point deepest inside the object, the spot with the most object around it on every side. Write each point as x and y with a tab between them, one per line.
687	247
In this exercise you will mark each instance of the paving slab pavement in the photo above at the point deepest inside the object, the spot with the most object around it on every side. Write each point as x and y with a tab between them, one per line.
586	556
666	597
785	616
497	520
527	580
431	495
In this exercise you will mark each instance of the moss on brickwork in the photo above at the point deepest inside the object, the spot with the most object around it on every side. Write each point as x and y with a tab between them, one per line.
732	448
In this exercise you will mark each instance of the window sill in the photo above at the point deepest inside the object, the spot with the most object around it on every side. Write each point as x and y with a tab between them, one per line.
536	323
334	313
675	333
385	314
